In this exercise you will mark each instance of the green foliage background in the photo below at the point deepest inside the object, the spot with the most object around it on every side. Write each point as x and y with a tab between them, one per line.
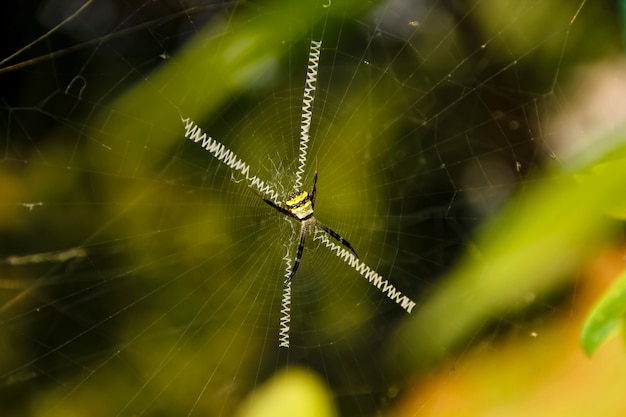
137	323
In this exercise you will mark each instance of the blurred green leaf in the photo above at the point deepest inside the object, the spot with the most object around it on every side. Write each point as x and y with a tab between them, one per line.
533	248
605	318
293	393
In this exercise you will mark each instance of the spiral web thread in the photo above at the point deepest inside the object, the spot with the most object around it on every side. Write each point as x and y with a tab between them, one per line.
307	105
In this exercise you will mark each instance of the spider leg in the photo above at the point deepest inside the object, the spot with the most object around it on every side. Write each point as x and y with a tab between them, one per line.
274	205
296	263
336	236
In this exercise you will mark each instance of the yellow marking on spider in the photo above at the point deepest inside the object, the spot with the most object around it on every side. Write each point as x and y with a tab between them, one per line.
297	199
300	205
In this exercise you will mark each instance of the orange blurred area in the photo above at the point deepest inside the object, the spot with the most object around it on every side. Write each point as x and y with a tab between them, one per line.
542	373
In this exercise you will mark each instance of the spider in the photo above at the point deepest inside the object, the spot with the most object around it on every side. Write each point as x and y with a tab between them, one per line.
300	206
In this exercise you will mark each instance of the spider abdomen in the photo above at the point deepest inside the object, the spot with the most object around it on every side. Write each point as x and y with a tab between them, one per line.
300	205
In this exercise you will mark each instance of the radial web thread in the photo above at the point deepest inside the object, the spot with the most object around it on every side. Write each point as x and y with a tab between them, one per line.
307	105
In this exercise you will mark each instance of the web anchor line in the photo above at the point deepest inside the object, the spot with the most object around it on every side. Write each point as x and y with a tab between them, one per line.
372	276
228	157
307	104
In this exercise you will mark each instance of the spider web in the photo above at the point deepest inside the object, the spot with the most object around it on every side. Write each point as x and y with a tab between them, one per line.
141	274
